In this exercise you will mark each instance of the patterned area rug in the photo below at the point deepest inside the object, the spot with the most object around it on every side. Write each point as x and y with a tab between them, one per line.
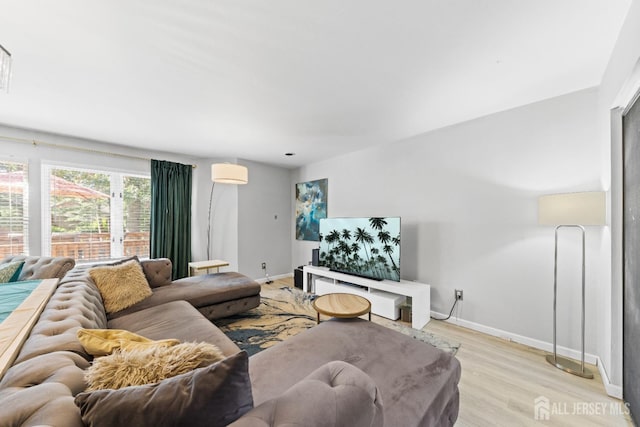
285	312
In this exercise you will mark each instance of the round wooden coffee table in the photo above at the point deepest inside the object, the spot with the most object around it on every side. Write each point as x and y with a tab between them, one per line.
342	305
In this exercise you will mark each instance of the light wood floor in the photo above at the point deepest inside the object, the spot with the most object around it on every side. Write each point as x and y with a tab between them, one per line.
501	380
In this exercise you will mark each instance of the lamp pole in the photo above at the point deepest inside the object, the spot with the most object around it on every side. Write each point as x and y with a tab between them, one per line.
213	184
562	362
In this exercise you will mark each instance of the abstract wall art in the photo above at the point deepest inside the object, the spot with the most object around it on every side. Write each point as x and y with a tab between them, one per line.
311	206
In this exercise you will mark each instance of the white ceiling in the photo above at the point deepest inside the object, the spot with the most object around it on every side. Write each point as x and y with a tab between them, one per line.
255	78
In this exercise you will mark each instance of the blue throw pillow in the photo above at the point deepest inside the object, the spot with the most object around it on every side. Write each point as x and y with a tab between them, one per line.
16	275
10	271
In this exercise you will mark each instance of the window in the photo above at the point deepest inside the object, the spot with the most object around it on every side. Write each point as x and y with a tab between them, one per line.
137	215
96	214
14	212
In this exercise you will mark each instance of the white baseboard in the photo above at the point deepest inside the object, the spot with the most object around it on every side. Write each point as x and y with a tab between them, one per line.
279	276
611	389
531	342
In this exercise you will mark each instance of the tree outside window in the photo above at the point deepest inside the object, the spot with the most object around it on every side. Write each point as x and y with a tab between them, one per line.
97	215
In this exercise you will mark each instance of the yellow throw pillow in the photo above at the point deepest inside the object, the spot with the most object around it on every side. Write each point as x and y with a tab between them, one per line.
100	342
149	365
121	286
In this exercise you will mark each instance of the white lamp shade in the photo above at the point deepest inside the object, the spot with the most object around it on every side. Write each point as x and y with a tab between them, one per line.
227	173
587	208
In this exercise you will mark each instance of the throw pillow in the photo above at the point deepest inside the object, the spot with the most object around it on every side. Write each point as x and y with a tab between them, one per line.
100	342
10	271
149	365
121	286
16	275
215	395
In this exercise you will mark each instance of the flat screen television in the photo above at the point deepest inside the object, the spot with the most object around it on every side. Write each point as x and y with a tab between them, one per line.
367	247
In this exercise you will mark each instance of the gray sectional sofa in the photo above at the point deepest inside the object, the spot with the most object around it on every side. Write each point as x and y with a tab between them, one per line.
341	372
214	295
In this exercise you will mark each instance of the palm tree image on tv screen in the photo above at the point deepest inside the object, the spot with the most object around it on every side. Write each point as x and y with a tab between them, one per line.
368	247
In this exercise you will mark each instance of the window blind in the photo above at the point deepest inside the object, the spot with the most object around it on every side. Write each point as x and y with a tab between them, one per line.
14	209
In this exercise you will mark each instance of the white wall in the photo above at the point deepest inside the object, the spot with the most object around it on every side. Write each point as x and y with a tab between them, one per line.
224	216
617	81
467	195
264	217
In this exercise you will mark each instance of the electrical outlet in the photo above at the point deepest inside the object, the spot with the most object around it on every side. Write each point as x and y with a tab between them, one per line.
458	294
264	265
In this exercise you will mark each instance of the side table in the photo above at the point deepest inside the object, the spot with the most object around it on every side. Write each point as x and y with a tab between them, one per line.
342	305
196	266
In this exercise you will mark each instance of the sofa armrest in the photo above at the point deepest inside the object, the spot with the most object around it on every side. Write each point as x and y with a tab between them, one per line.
42	267
336	394
157	271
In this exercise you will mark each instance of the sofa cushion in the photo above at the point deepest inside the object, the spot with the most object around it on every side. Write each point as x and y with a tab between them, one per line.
176	319
62	367
336	394
75	304
121	285
40	391
100	342
10	271
214	288
215	395
147	365
157	271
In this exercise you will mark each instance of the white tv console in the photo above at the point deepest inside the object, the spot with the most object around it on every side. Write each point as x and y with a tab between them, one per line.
420	293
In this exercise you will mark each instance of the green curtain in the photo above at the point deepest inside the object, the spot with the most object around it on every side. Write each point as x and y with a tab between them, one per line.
171	214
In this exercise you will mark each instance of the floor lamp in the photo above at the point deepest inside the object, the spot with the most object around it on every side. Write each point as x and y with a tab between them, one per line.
224	173
5	69
571	210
